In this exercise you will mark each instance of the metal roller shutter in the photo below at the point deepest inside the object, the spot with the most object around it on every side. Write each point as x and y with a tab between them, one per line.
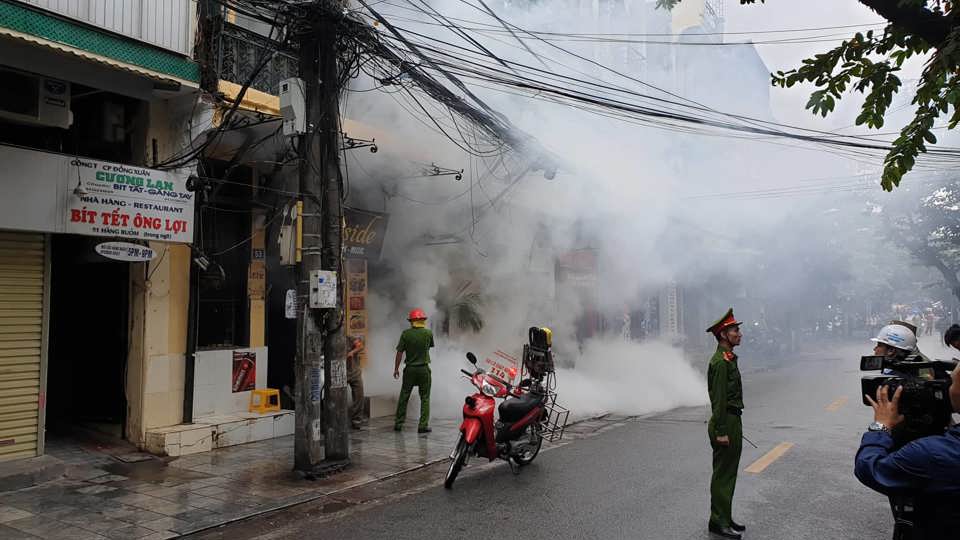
22	266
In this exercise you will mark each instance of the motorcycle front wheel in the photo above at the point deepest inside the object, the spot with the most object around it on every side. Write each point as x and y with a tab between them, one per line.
528	455
456	462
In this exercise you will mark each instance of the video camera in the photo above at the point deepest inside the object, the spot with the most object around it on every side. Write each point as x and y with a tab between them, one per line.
925	401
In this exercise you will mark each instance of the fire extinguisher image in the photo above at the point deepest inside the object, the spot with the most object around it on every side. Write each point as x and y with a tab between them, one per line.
244	374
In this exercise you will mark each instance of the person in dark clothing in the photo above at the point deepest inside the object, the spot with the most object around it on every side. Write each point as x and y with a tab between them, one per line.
926	471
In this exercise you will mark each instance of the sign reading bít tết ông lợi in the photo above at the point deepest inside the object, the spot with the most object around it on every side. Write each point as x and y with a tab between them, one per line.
111	199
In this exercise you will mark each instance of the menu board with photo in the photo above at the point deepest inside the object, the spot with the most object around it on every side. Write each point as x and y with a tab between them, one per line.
356	302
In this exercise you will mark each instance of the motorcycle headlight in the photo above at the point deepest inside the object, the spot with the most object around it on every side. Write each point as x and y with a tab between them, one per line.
488	389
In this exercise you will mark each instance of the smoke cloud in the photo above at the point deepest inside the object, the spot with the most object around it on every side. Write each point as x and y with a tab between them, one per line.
656	206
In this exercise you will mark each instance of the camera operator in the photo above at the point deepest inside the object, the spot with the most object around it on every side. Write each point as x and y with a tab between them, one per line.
916	355
922	479
897	340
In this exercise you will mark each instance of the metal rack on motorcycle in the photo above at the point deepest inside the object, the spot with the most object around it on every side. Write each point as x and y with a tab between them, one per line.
557	416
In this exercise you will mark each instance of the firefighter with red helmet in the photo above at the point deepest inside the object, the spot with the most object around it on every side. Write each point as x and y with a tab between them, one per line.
415	343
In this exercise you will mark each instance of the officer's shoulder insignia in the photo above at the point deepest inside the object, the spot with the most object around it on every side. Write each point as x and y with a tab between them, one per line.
728	356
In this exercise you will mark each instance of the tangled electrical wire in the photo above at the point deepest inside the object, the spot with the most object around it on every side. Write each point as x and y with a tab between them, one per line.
399	52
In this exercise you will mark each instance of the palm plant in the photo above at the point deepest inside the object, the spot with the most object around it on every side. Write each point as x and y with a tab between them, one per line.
462	307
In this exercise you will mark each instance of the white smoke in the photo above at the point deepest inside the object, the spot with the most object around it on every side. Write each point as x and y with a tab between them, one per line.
623	191
630	378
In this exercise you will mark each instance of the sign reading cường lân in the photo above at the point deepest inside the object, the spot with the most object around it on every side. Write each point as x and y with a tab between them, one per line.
111	199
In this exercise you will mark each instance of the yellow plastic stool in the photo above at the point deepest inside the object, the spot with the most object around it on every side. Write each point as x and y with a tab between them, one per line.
264	400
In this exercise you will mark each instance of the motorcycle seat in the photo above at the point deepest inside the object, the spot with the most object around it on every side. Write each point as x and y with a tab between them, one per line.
515	408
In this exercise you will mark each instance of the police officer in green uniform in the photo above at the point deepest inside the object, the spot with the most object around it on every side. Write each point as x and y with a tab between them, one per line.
415	342
725	429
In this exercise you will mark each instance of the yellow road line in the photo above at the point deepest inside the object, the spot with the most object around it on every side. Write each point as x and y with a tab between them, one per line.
759	465
837	403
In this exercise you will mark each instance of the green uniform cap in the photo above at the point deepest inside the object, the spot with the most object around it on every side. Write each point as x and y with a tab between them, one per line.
723	322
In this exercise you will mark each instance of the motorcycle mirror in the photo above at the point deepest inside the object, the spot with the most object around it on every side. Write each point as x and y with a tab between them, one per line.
472	358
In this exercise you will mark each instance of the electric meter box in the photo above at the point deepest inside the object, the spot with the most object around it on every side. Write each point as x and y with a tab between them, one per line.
293	106
323	289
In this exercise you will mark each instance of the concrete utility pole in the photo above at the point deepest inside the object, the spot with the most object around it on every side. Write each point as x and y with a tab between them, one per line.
320	332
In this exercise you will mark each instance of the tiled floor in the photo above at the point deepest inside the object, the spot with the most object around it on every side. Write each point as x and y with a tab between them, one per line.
102	497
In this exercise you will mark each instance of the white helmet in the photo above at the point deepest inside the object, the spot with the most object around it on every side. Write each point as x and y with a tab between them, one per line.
897	336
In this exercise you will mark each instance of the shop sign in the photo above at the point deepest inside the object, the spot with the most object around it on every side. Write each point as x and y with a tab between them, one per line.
356	302
110	199
257	280
363	233
125	251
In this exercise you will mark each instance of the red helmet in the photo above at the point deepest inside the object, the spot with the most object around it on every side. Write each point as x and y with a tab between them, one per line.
417	314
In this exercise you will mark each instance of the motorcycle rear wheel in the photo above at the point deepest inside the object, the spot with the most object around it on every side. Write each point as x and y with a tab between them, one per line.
459	457
531	453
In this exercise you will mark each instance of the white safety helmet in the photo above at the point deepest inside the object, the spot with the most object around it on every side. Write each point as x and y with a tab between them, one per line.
897	336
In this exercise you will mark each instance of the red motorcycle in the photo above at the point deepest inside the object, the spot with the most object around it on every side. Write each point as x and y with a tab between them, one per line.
528	415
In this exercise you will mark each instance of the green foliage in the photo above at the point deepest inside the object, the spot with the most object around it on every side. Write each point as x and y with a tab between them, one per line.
462	307
868	63
926	222
467	313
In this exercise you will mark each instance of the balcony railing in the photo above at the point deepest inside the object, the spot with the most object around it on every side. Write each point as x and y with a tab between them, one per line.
240	51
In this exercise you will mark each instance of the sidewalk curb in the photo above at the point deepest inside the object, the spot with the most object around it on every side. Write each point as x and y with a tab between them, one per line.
309	498
313	497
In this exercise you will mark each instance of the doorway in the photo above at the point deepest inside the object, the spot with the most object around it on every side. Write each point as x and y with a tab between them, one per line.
89	339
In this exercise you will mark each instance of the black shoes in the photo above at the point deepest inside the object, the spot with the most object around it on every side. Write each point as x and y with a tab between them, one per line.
736	526
725	532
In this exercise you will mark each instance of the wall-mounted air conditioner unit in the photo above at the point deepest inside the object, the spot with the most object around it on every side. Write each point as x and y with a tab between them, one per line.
34	99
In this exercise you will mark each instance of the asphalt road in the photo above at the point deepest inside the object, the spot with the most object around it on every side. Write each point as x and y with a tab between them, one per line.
646	479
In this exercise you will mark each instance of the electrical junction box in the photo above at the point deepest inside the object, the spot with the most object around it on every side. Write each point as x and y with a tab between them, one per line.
323	289
288	245
293	106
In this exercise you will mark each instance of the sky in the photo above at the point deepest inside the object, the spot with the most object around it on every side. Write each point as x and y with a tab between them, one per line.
788	14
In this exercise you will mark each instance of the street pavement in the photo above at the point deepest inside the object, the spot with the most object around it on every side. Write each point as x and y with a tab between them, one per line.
644	478
106	495
109	492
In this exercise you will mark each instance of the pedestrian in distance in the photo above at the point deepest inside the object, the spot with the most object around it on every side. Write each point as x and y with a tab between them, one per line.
355	381
415	343
725	428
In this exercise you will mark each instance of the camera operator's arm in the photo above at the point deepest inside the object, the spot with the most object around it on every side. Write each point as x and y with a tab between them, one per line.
718	398
879	469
